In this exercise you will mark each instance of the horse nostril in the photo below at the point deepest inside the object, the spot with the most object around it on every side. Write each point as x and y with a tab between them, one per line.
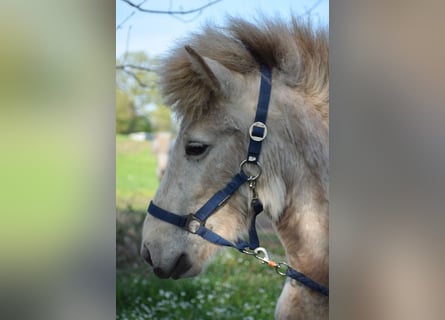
146	255
161	273
183	264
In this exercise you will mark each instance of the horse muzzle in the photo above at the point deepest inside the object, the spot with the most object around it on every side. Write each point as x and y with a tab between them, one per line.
179	267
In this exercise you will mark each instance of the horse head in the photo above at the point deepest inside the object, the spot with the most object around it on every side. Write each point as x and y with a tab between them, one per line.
206	154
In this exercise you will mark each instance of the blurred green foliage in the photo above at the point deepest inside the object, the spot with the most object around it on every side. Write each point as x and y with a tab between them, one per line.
139	105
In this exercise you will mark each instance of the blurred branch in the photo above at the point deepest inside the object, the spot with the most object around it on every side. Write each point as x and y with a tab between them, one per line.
125	20
128	42
135	77
172	12
132	66
309	11
127	69
178	17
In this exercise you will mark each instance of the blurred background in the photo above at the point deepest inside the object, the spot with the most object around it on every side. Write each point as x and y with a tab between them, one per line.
58	148
234	286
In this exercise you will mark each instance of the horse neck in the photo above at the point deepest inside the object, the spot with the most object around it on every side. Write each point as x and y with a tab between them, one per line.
303	228
300	174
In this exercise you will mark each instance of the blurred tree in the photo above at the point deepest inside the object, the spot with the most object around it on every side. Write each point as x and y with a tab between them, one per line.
162	120
141	124
124	112
136	79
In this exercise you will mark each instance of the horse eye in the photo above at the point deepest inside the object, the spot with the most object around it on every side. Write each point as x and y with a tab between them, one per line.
195	148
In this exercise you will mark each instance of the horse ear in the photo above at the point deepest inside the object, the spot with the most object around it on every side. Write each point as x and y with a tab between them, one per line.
219	78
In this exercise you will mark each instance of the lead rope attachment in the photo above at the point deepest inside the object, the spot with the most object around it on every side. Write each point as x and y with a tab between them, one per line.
255	203
283	269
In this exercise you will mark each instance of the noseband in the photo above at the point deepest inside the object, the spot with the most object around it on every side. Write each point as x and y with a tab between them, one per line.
195	223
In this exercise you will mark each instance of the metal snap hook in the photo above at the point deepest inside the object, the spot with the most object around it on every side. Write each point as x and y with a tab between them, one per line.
262	255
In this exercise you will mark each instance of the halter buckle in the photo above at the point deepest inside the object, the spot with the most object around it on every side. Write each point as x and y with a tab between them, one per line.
192	224
258	125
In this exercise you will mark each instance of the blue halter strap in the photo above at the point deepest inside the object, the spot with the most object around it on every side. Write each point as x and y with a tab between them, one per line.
195	223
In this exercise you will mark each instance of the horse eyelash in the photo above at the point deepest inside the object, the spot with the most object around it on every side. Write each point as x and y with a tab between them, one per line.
194	148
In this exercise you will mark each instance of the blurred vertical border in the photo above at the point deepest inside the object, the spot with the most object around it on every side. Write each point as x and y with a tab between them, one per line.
57	167
387	150
57	163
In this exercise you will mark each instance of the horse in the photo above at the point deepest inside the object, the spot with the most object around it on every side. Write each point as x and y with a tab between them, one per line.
161	147
211	80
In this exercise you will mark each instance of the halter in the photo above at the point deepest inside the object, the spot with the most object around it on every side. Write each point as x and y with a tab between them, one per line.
195	223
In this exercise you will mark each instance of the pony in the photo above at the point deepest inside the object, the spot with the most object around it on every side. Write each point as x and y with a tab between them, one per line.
211	80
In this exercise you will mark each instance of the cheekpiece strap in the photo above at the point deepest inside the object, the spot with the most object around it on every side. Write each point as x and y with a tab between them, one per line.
258	130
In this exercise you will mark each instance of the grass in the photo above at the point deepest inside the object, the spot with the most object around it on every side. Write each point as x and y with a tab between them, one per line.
234	286
136	180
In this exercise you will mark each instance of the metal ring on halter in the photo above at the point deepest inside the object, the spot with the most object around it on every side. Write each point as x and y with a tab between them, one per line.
192	223
278	267
251	177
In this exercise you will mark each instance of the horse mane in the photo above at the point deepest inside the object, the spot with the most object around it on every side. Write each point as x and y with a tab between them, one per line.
297	49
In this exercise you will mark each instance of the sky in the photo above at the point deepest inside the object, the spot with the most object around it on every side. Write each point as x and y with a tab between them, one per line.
156	33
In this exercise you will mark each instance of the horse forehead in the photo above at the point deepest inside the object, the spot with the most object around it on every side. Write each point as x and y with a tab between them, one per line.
205	125
242	100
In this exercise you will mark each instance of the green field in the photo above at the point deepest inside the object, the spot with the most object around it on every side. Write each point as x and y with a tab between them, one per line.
136	180
234	286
